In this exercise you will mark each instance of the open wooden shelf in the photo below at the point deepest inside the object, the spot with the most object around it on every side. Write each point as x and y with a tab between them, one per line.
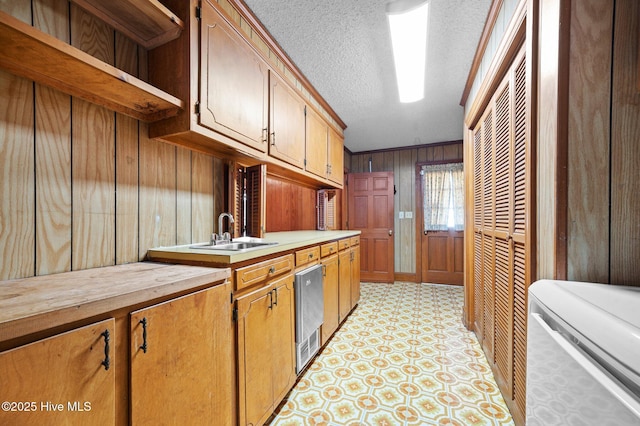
147	22
30	53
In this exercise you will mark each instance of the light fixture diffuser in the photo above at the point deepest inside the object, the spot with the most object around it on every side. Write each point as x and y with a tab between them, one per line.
408	26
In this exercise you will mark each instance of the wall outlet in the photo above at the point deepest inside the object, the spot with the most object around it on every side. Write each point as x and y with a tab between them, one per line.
408	215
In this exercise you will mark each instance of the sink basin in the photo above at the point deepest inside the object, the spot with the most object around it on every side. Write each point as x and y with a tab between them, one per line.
239	245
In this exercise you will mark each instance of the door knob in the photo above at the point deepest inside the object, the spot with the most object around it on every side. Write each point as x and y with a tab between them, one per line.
390	231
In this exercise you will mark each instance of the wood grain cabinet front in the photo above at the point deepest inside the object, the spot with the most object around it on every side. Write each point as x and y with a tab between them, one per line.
307	256
266	349
66	379
163	353
354	259
241	103
330	283
324	149
181	353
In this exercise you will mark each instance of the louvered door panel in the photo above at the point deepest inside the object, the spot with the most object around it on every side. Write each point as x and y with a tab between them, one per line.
488	264
255	182
478	290
520	154
520	285
502	161
488	214
501	246
521	280
477	180
477	236
503	312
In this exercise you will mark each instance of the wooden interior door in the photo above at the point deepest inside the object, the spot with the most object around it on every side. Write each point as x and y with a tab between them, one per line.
443	257
371	201
64	369
186	367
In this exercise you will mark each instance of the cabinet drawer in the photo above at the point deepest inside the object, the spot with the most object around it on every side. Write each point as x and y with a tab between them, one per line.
253	274
344	244
354	241
328	249
307	255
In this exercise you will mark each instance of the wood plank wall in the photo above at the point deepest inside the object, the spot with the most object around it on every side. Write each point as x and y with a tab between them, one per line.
402	162
290	206
82	186
597	63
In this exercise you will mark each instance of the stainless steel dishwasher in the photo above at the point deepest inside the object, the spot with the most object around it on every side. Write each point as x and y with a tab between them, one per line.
309	314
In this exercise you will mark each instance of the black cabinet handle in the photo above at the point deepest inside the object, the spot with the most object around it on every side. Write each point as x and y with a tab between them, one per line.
271	300
275	290
107	362
144	346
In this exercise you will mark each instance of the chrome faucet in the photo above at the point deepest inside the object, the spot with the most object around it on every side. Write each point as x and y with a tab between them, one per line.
222	237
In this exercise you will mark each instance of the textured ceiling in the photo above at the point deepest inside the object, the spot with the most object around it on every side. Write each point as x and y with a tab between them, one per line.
343	47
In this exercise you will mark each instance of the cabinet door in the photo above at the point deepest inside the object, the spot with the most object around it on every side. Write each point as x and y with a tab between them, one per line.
344	265
336	157
52	380
355	275
234	82
283	338
317	144
330	290
287	139
182	360
255	312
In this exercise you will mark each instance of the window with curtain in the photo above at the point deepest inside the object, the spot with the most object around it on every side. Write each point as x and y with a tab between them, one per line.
443	195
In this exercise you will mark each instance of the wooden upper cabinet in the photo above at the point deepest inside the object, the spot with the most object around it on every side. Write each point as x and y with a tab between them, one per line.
317	144
234	83
287	131
238	103
336	157
68	369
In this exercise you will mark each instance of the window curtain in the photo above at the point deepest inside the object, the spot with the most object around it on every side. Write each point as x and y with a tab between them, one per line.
443	186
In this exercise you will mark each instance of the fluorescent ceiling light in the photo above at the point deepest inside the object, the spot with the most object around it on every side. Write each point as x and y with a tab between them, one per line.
408	25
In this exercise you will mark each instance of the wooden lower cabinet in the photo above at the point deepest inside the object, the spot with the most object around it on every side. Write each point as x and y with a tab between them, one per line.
331	297
65	379
344	283
355	270
146	363
266	349
179	350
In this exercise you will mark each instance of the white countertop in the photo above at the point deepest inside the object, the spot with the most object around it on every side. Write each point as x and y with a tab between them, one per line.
289	240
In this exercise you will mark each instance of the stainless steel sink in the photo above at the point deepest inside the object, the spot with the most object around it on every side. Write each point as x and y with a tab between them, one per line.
240	245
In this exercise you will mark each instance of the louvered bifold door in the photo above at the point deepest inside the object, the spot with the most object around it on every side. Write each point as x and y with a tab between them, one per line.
503	257
488	230
256	200
478	289
520	240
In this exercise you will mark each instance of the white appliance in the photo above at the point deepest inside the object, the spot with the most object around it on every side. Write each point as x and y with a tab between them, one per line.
309	314
583	354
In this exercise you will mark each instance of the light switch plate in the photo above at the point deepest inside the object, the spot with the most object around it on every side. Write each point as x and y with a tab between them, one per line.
400	215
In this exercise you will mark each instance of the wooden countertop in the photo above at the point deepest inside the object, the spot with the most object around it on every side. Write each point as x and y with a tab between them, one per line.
287	241
30	305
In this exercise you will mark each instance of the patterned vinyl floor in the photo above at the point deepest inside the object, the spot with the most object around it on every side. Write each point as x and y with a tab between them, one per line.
402	358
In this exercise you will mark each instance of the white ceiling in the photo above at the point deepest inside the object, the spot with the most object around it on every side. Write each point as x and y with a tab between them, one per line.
344	49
